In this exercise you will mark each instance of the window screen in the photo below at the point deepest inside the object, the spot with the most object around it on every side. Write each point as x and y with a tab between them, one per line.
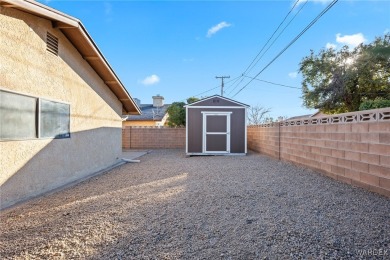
54	119
17	116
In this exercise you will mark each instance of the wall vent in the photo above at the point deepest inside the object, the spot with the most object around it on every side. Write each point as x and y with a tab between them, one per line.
52	43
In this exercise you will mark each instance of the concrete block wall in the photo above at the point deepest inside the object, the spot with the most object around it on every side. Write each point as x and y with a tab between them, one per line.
352	147
264	139
153	137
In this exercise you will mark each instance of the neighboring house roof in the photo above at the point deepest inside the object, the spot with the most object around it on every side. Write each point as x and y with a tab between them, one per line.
299	117
316	114
76	33
217	96
150	113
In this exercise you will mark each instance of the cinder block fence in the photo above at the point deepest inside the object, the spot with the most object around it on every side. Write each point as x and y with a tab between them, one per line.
150	137
352	147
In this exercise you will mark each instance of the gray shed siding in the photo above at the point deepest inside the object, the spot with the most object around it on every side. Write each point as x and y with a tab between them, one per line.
195	126
194	130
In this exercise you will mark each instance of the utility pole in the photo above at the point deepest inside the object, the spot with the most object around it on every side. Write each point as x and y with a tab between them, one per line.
222	77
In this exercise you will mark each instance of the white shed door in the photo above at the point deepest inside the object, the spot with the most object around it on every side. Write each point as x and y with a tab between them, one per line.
216	132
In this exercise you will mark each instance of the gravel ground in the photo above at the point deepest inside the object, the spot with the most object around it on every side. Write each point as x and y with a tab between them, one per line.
208	207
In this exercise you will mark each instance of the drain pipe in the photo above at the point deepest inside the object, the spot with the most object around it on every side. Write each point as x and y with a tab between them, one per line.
135	161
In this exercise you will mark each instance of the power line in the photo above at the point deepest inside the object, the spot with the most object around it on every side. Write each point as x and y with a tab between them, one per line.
242	79
235	80
227	82
279	35
250	67
273	83
292	42
204	92
296	2
222	78
207	91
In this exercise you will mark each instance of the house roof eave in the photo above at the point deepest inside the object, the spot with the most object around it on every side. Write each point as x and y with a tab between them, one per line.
76	33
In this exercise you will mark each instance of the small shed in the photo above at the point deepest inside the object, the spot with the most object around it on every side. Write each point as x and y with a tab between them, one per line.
216	125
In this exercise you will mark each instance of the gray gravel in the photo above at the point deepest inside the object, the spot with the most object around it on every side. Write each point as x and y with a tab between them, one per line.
172	207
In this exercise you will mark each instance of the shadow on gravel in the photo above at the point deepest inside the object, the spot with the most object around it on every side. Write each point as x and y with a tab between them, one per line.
172	207
255	207
86	219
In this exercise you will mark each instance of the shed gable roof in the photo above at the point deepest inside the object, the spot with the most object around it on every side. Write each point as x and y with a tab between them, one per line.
217	101
76	33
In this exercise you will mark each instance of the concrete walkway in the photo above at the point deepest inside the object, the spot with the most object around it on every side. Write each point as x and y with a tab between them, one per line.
206	207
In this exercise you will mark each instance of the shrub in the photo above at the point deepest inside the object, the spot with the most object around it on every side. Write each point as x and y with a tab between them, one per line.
374	104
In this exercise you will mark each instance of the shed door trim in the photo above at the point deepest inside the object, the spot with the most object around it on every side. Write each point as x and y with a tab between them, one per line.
205	133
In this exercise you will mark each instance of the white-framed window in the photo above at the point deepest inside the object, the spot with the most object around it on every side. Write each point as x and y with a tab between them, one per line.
27	117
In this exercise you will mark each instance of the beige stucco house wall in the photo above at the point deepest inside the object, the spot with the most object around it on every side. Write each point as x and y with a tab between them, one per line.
35	166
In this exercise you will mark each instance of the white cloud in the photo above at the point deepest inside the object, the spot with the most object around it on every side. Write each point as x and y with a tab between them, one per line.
331	46
386	31
150	80
293	75
352	40
216	28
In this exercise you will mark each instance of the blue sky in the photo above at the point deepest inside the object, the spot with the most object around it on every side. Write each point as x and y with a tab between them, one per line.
176	48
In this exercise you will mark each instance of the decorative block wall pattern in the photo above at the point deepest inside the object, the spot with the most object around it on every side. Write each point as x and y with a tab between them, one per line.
351	147
153	137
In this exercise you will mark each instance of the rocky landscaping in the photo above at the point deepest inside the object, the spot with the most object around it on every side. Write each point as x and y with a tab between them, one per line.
207	207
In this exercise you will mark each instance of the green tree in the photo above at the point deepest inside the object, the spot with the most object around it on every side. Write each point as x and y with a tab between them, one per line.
340	81
177	112
374	104
191	100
